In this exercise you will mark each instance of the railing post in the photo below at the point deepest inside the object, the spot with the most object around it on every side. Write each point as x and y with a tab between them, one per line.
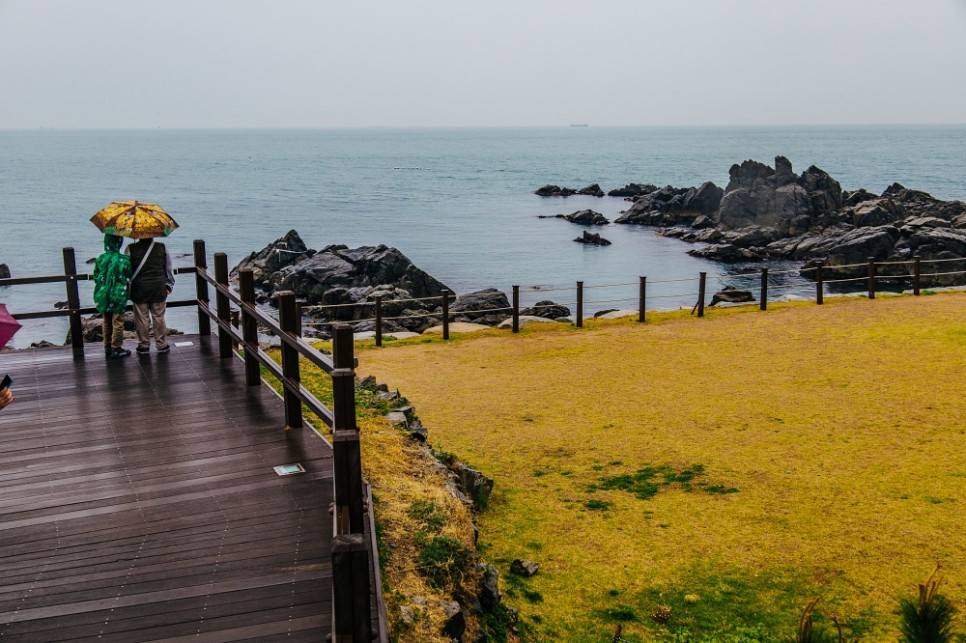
222	305
347	459
445	314
290	360
73	304
871	277
351	591
916	274
642	298
379	320
350	550
580	304
764	288
702	283
201	286
819	284
516	309
246	284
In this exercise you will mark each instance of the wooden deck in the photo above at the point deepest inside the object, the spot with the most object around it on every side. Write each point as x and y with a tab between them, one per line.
138	502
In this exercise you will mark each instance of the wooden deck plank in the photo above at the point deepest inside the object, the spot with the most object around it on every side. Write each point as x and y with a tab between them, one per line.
138	502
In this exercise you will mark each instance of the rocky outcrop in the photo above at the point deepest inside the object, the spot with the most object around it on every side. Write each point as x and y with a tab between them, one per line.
488	307
672	206
633	190
592	239
731	295
591	190
328	280
586	217
554	190
768	213
547	310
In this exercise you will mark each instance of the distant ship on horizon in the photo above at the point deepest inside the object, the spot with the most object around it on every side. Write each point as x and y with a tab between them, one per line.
579	125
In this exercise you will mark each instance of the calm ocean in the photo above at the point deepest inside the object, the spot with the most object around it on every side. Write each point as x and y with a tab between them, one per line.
458	202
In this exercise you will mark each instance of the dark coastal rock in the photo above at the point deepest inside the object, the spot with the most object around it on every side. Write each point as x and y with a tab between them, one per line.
280	253
587	217
593	239
4	271
731	295
474	484
632	190
488	307
341	284
489	592
727	253
454	625
876	212
760	196
554	190
546	309
591	190
525	568
669	206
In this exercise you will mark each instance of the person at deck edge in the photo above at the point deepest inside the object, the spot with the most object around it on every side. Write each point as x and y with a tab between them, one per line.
150	288
112	270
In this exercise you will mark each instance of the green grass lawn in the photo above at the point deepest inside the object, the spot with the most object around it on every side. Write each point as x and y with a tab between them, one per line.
721	472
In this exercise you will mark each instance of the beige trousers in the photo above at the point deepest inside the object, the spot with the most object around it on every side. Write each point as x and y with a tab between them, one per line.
156	311
113	330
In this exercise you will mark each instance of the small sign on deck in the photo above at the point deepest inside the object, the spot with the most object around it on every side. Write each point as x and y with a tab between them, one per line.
289	469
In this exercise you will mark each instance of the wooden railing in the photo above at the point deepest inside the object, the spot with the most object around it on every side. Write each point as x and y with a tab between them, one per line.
356	581
355	567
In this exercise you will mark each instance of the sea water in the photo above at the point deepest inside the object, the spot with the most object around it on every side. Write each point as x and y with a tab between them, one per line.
459	203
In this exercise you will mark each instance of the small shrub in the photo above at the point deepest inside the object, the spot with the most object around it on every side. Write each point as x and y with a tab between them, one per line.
598	505
443	560
929	619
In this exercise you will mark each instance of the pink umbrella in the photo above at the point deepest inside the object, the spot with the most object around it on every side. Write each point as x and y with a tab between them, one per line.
8	325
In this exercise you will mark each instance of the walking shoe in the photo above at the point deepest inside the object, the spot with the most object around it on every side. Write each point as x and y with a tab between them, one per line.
118	353
143	350
107	351
165	349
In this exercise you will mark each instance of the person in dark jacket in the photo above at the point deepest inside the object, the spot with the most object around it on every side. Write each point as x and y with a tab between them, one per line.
111	273
152	282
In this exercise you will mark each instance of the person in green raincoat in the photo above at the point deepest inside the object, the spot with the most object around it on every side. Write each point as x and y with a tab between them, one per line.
112	270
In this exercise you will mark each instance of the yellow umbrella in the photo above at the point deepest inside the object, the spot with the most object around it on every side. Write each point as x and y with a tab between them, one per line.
135	220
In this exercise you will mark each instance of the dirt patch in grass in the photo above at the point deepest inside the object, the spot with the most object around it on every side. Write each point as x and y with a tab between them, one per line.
841	430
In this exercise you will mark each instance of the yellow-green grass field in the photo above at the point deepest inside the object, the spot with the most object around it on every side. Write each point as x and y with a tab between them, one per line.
779	456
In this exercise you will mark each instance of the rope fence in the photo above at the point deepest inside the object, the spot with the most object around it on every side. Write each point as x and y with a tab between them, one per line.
515	310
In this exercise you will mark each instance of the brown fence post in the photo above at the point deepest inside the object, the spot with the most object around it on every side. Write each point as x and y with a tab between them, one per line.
871	277
642	295
379	320
916	274
445	314
222	305
346	454
351	602
819	284
73	304
290	360
702	282
516	309
580	304
201	286
764	288
246	284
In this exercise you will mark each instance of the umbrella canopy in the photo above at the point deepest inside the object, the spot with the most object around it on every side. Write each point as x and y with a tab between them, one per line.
135	220
8	326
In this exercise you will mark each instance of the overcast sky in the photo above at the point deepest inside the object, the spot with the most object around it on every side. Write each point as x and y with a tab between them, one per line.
360	63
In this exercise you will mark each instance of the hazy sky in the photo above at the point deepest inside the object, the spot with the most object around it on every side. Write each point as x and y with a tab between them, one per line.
321	63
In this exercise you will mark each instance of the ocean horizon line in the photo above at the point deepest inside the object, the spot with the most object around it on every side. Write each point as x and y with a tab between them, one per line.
410	128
